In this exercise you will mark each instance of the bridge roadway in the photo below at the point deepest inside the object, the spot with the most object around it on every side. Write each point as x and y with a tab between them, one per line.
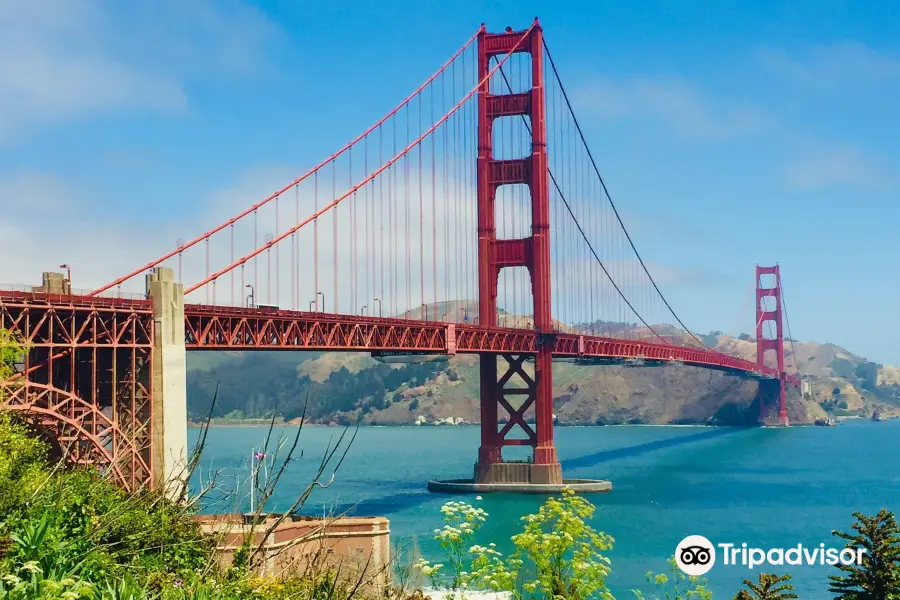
236	328
233	328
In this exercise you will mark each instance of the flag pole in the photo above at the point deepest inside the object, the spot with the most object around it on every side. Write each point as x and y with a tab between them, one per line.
252	481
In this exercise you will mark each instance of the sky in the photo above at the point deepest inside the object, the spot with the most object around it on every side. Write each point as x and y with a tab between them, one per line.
729	134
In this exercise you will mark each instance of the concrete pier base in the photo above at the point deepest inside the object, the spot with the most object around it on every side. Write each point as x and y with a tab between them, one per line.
169	380
518	478
469	486
510	472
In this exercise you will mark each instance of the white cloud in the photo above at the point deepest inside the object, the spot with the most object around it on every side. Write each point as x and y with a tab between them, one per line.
833	67
673	102
73	59
667	227
825	166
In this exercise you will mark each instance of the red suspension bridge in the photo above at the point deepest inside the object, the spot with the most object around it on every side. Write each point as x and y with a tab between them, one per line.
472	218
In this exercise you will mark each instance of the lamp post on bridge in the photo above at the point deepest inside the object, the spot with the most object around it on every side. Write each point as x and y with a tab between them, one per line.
465	312
378	300
362	310
180	243
68	276
251	297
425	311
323	300
311	305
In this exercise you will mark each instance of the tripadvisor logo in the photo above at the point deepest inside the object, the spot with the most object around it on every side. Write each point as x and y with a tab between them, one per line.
695	555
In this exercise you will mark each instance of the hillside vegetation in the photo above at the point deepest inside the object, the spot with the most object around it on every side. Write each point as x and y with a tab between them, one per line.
346	387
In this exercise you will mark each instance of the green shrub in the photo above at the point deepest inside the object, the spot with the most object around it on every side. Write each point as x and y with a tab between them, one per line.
879	574
80	521
557	555
675	586
22	464
69	533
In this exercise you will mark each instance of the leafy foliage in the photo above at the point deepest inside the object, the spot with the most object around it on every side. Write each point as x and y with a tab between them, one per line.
842	367
863	374
836	403
565	550
562	552
711	339
676	586
879	575
768	587
11	351
21	464
71	533
81	523
867	373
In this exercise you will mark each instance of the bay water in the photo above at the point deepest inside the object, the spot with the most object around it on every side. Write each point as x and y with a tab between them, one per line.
768	487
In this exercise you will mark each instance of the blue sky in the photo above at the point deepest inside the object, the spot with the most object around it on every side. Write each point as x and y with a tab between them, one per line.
728	135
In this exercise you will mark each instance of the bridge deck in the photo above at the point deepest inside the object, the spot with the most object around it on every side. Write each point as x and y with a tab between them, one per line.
235	328
230	328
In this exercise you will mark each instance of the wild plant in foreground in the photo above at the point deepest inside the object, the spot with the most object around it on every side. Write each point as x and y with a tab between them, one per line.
461	522
69	532
675	586
557	554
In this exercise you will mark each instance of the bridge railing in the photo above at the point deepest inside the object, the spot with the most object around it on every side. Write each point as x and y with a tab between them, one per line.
40	289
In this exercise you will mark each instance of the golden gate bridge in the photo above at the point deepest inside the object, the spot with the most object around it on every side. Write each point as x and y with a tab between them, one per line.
472	218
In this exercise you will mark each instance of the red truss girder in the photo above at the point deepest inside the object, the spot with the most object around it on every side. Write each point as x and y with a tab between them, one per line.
84	433
44	323
86	377
226	328
215	328
128	324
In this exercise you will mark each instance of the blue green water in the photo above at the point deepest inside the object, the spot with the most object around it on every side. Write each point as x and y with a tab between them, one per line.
767	487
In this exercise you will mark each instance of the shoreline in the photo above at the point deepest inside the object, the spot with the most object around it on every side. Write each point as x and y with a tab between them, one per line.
257	423
254	423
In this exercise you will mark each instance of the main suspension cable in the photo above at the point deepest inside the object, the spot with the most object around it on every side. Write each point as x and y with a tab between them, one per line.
787	322
581	231
609	197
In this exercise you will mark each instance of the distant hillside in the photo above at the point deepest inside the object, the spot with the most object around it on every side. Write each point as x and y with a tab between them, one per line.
343	388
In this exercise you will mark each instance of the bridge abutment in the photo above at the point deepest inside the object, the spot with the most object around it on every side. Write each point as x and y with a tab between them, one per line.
168	379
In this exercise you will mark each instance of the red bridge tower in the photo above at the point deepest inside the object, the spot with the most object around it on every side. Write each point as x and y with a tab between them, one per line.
770	390
532	252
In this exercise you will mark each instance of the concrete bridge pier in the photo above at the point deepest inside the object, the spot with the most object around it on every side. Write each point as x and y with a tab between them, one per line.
168	380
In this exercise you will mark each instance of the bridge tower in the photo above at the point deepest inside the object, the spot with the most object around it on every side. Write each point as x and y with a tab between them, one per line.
770	390
532	252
